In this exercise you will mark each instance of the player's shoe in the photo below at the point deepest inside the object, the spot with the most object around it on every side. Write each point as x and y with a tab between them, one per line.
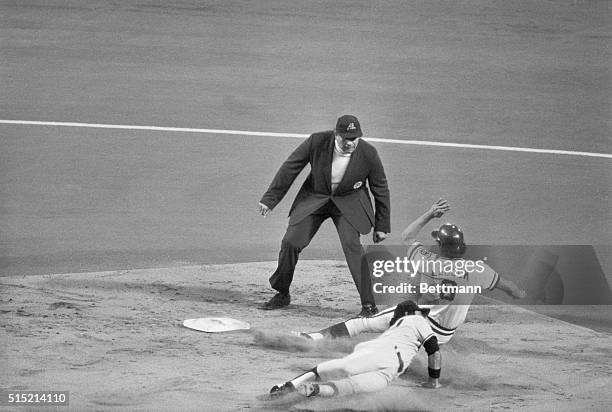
278	301
308	389
282	389
308	335
368	310
301	335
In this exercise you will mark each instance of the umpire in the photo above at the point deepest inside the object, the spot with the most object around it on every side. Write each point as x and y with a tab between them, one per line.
341	165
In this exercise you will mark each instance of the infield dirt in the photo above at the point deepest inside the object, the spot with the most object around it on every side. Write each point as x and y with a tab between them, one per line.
115	341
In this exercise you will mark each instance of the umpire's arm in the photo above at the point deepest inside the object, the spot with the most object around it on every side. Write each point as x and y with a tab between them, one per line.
287	173
378	186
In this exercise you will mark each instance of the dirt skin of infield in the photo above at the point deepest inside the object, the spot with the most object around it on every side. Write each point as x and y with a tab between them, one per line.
115	341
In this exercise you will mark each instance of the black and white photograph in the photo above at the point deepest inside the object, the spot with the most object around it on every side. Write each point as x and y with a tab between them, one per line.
266	205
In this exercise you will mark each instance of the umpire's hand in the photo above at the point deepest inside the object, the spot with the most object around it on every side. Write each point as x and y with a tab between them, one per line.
263	209
379	236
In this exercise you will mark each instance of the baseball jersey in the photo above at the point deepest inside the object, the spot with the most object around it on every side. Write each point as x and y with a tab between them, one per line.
448	309
405	337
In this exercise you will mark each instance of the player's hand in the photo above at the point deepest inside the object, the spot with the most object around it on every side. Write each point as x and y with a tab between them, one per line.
431	384
378	237
439	208
263	209
519	294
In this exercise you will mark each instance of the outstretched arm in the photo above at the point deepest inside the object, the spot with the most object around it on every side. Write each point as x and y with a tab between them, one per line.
285	176
510	288
412	230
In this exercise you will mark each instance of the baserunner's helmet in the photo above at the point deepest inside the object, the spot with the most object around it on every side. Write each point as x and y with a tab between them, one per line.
450	240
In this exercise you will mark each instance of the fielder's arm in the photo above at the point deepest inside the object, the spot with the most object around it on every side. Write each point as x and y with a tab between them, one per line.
412	230
510	288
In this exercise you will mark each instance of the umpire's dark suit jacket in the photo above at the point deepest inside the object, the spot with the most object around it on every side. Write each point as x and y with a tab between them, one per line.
351	197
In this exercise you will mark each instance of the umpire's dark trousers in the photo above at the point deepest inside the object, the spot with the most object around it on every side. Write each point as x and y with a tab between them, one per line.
298	236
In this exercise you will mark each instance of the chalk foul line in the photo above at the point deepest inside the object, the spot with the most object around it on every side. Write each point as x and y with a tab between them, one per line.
297	135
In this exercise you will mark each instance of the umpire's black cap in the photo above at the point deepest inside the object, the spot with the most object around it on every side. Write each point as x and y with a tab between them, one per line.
348	127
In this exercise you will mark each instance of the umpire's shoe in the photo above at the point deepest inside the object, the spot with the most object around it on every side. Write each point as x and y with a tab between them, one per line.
279	300
368	310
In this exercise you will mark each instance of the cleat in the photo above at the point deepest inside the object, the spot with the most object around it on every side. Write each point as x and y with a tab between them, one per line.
301	335
367	311
283	389
308	389
279	300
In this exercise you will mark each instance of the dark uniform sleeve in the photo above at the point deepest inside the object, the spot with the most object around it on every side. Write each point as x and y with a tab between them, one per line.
431	345
287	173
378	186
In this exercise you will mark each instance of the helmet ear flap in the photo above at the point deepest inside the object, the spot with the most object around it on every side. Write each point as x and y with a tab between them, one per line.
453	251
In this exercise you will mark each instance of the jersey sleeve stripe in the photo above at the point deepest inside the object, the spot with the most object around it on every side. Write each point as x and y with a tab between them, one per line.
412	249
440	332
432	322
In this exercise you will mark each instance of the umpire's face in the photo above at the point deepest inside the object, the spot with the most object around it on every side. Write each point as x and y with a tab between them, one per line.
347	145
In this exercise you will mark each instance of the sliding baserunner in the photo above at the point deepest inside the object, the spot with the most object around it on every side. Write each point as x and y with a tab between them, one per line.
375	363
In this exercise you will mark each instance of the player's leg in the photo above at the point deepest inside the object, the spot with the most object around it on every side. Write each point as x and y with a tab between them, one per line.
358	362
362	383
368	369
354	326
364	359
290	386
